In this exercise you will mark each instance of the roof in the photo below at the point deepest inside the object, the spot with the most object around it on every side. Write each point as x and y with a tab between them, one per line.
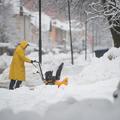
45	20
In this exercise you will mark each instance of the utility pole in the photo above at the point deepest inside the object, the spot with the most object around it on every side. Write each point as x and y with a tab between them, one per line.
86	35
24	27
72	60
40	37
23	15
92	37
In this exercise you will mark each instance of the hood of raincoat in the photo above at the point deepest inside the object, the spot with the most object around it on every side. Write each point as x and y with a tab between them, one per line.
23	44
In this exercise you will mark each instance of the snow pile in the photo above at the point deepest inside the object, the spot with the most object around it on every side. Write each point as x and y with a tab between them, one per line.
4	62
51	103
90	109
102	69
113	53
4	66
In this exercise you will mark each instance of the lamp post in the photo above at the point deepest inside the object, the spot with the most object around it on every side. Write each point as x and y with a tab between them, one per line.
40	38
86	35
93	38
69	15
22	14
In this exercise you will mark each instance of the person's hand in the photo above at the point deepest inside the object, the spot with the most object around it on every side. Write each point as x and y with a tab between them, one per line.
33	61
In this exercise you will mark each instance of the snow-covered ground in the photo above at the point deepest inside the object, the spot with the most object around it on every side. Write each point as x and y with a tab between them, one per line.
89	95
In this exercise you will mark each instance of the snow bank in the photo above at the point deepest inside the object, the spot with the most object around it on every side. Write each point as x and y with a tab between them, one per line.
51	103
113	53
101	69
90	109
4	62
8	114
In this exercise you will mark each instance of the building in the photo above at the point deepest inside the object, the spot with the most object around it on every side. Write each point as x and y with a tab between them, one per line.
25	29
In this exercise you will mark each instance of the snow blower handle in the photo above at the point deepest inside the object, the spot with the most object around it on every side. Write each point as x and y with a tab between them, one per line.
37	71
41	73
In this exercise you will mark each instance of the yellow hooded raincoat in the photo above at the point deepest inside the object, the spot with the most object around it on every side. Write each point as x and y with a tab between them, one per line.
17	67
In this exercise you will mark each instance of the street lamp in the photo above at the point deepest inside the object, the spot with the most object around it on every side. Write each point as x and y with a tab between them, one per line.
40	37
69	14
85	35
22	14
0	1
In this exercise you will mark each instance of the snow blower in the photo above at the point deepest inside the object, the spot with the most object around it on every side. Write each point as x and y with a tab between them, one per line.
49	78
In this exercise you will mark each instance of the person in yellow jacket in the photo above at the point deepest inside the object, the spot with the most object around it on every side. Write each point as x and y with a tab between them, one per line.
17	67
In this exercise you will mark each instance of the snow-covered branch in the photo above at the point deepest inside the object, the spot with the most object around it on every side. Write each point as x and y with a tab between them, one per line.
110	10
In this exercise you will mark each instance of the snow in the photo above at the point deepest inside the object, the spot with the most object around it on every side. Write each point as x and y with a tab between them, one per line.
65	25
89	95
4	44
96	72
2	64
4	61
62	25
45	20
16	5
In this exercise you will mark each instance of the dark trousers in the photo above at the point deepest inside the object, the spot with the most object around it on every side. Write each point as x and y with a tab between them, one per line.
14	84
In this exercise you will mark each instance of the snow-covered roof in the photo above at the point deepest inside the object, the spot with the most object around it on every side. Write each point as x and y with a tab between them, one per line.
60	24
64	25
45	20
